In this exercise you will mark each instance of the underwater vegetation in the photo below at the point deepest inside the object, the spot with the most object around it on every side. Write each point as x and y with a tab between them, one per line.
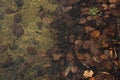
59	40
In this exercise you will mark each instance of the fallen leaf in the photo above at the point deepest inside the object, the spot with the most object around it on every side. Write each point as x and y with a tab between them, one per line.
88	29
74	69
82	21
67	71
78	43
69	57
113	1
66	9
56	56
103	57
92	78
95	34
88	73
80	56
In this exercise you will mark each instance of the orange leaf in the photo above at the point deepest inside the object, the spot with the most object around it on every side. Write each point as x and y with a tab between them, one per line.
92	78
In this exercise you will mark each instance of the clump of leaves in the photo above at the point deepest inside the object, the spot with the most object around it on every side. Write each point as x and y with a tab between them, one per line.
94	11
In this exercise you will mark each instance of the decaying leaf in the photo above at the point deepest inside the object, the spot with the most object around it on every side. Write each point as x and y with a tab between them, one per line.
66	9
82	21
74	69
80	56
56	56
31	50
88	73
42	53
72	38
78	43
103	57
47	20
95	34
92	78
67	71
3	48
88	29
69	57
114	1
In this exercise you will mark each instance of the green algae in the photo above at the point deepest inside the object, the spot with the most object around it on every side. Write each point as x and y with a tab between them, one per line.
29	12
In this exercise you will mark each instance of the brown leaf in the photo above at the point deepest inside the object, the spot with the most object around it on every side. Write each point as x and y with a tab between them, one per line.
105	6
88	29
88	73
31	50
82	21
46	65
72	38
42	53
95	34
89	18
105	44
80	56
78	43
67	71
46	20
74	69
114	1
18	30
113	6
88	44
66	9
69	57
115	12
3	48
103	57
92	78
56	56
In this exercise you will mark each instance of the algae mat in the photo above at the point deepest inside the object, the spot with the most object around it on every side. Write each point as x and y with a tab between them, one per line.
13	43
